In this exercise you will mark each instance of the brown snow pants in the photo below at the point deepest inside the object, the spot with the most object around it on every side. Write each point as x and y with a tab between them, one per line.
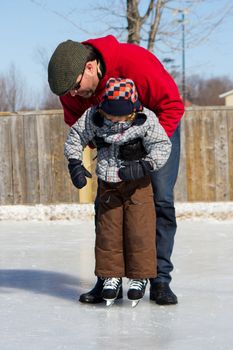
125	234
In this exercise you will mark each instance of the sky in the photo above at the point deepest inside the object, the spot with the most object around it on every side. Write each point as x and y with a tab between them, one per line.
28	27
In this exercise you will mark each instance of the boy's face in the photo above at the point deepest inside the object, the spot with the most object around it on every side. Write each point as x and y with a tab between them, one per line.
116	119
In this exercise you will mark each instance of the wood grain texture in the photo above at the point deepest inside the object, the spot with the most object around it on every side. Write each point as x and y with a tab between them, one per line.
34	170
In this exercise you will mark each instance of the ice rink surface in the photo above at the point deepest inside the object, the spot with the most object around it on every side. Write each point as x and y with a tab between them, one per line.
45	266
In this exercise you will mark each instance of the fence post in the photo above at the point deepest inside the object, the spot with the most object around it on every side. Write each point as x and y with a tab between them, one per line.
85	194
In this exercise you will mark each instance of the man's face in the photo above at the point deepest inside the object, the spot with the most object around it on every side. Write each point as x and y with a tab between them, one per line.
87	82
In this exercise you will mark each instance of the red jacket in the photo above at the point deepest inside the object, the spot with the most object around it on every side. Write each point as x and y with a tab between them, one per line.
156	88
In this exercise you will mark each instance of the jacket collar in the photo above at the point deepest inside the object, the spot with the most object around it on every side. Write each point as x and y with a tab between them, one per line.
98	119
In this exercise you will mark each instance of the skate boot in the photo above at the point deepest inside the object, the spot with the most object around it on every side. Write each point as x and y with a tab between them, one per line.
111	290
94	296
136	290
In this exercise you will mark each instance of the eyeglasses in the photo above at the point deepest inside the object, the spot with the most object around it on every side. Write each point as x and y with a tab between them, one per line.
78	85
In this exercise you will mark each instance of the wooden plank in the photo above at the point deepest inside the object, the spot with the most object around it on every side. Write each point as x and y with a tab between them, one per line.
221	156
18	159
199	148
229	115
208	149
6	180
190	152
31	160
59	188
44	158
206	158
199	159
181	183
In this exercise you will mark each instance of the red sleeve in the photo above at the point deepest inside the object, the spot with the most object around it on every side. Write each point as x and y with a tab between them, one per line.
157	89
73	108
169	106
159	93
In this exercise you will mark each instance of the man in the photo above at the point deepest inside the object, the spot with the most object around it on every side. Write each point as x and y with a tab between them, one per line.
78	73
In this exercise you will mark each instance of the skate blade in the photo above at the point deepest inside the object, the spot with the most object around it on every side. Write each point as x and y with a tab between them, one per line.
109	302
135	302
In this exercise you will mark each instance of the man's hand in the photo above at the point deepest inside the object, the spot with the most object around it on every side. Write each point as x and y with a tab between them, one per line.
78	173
134	170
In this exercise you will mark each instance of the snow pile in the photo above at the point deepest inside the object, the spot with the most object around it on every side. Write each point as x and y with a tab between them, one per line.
47	212
195	210
205	210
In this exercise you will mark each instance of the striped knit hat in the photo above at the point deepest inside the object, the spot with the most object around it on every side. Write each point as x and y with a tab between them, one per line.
120	97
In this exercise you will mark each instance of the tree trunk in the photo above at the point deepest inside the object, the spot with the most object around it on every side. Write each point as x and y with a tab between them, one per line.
134	23
155	25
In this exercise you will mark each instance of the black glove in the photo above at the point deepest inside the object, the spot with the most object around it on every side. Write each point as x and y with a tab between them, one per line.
132	150
99	142
78	173
134	170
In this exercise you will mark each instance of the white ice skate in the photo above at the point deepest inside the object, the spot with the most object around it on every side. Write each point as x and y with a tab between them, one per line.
111	290
136	290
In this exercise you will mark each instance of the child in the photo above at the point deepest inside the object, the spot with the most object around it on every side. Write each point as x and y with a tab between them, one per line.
125	233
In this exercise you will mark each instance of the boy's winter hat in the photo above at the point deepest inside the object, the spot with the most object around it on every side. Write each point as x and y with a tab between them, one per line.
120	97
66	63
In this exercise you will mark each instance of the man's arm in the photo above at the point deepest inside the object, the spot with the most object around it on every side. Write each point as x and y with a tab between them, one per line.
156	88
169	107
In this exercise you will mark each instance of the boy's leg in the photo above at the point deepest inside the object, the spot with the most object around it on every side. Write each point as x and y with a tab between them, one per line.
163	183
139	230
95	295
109	233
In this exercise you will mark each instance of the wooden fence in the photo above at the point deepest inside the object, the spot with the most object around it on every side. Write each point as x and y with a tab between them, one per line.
33	169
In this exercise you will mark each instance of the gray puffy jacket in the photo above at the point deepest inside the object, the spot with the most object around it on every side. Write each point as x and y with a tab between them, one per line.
145	126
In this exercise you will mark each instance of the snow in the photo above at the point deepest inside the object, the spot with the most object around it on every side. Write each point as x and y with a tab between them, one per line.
194	210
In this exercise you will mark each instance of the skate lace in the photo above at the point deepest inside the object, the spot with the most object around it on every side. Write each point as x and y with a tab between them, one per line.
111	282
137	284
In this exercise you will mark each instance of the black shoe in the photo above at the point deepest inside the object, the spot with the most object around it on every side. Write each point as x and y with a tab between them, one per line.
94	296
162	294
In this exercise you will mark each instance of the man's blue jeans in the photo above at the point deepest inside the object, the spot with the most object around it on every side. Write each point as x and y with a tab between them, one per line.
163	182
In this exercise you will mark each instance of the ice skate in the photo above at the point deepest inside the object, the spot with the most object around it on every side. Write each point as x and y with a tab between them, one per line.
136	290
111	290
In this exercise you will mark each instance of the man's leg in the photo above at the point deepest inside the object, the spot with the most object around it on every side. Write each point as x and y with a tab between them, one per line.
163	182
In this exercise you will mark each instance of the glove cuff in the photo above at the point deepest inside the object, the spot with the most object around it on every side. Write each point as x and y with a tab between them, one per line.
75	161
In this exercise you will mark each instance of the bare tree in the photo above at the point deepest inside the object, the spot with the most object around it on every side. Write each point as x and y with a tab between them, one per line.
153	22
205	92
12	87
3	99
157	23
50	101
136	21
